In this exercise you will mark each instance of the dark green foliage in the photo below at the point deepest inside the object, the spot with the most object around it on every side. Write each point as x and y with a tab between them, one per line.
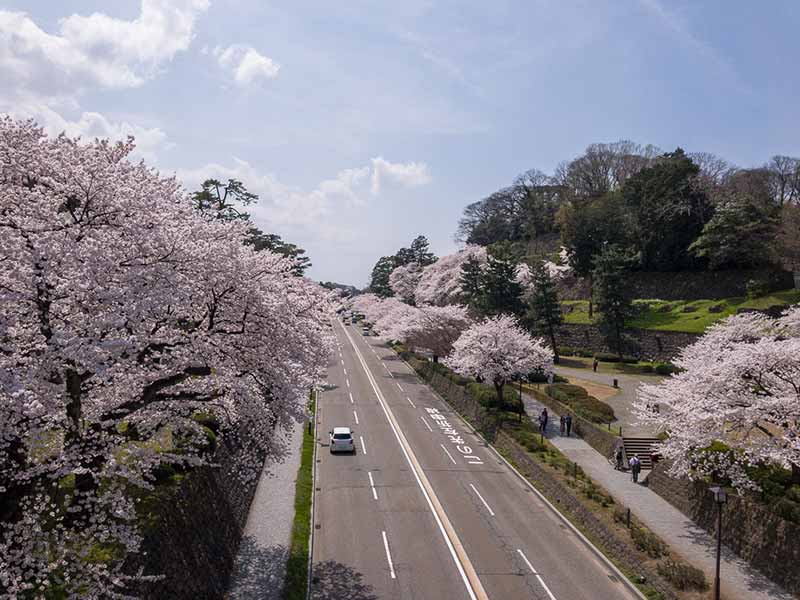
420	252
682	576
615	358
500	292
544	310
665	368
273	242
669	210
741	234
470	281
613	294
579	400
756	288
648	542
379	280
224	201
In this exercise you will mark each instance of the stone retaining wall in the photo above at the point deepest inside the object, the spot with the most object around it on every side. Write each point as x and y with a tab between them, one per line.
195	541
768	542
686	285
645	344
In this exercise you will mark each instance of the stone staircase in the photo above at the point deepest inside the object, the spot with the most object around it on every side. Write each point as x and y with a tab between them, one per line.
641	446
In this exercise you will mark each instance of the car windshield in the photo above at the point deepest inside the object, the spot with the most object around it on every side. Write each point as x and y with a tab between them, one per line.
341	436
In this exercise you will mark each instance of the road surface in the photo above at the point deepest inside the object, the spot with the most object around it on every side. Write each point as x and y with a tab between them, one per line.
424	510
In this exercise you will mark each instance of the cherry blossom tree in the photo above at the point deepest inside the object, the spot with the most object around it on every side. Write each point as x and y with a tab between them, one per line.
439	284
126	315
433	328
739	385
403	281
496	350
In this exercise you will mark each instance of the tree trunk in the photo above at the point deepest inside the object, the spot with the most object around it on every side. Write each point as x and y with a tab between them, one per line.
84	482
435	358
553	343
795	474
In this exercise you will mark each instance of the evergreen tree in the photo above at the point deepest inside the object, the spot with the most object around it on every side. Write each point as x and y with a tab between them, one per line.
613	294
501	293
470	281
420	250
379	281
544	310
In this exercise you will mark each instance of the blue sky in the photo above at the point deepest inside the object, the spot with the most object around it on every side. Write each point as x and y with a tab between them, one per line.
363	124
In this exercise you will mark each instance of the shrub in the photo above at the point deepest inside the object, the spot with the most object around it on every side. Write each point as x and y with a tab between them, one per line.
755	288
585	353
665	368
566	351
579	400
648	542
606	357
787	509
682	576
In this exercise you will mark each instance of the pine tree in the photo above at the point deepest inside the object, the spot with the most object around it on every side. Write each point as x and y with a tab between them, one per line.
544	310
613	294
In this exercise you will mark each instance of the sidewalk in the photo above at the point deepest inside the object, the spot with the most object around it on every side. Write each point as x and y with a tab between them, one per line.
261	563
739	580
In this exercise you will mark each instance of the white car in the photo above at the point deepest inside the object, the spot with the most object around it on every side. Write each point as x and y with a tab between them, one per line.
342	440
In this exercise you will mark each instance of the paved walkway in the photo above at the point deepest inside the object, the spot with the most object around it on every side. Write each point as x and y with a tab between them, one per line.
739	580
261	563
622	401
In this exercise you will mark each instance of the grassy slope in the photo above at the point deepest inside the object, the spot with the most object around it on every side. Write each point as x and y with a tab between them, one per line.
295	584
671	316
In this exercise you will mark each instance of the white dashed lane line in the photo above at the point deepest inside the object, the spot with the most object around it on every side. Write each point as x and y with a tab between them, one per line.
450	456
347	381
363	445
388	555
400	387
478	494
355	414
539	577
372	485
351	397
410	402
426	423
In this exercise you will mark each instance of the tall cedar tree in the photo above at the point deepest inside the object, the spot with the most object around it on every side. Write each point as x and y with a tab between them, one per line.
470	281
613	294
379	281
500	292
544	310
420	251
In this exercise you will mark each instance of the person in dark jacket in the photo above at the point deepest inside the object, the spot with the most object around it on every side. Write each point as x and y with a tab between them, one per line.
636	467
563	424
568	423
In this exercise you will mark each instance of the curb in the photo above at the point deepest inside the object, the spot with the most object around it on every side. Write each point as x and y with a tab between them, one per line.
594	549
313	496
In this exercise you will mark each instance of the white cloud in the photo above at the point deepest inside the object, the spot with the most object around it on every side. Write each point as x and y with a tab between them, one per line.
281	206
245	63
405	174
94	50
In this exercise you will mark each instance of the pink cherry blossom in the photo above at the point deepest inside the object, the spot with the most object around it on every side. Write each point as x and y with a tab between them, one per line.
439	284
740	385
125	314
498	349
404	279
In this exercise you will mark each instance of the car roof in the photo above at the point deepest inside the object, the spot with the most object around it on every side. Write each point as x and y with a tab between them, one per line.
341	430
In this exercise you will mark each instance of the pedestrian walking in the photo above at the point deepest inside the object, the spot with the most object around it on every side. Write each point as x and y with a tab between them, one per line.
636	467
563	421
568	423
595	362
544	420
618	458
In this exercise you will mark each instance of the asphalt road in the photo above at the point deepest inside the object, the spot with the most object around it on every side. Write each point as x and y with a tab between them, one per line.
423	509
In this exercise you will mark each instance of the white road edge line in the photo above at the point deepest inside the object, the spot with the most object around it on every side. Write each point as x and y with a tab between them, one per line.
477	493
351	397
463	564
539	577
450	456
388	555
399	386
372	485
410	402
355	414
426	423
363	445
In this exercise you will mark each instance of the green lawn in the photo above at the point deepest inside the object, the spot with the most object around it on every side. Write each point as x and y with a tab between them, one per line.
296	581
692	316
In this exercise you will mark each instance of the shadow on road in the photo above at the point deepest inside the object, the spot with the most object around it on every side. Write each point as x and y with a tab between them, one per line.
259	572
334	581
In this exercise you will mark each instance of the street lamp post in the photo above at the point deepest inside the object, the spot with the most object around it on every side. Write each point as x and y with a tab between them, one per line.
720	497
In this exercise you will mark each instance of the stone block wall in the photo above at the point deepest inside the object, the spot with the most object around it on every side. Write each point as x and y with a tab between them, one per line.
194	544
768	542
686	285
646	344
